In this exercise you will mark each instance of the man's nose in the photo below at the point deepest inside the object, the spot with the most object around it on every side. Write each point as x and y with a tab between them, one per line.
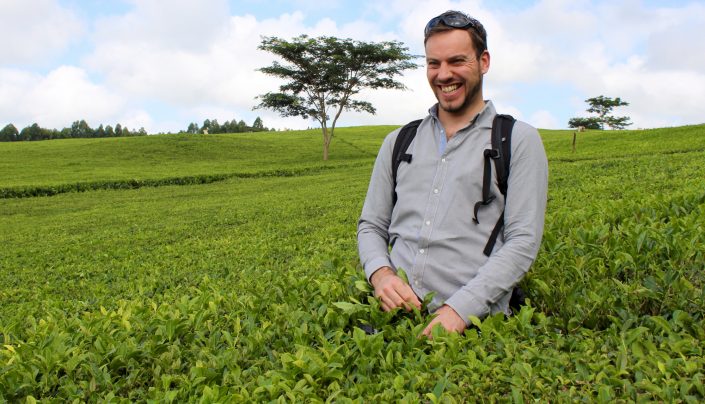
444	72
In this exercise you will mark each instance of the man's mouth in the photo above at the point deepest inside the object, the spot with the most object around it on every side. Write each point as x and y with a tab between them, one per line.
449	89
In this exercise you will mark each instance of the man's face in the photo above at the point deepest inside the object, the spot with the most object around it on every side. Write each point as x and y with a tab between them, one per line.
454	71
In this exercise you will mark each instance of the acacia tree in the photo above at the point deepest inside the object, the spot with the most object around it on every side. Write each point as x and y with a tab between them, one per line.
602	106
324	74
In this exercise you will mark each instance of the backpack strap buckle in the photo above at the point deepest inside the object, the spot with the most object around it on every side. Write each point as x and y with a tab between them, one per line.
492	153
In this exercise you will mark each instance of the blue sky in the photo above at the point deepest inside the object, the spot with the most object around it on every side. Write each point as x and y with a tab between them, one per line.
160	64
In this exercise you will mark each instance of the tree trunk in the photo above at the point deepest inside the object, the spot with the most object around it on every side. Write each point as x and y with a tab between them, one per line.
326	143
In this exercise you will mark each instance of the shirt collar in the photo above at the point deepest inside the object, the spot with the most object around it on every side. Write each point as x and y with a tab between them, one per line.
483	119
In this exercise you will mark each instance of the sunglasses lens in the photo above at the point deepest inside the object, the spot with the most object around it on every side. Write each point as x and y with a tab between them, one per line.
455	20
434	21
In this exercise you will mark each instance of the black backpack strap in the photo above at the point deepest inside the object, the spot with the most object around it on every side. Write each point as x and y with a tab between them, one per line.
501	153
401	144
502	140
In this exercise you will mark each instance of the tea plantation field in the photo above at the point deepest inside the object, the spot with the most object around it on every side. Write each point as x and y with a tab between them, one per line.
223	268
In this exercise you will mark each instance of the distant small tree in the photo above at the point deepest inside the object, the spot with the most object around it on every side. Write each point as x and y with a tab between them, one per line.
205	128
9	133
324	74
602	106
214	127
242	126
257	125
81	129
32	132
227	127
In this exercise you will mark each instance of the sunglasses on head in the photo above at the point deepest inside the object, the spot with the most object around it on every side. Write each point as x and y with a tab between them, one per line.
452	19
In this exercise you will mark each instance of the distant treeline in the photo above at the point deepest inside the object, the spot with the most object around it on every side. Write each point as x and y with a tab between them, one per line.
211	126
79	129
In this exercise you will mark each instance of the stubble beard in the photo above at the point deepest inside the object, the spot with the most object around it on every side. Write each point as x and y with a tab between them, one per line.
467	102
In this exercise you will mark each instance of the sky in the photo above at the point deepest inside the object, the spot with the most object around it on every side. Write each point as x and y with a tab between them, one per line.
161	64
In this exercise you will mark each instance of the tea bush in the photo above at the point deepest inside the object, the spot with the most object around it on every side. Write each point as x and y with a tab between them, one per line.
247	288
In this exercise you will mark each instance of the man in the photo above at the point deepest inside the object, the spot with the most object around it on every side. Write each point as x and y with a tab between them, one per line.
430	227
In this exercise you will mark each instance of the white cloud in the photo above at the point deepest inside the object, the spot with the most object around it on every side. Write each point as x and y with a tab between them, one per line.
136	119
183	25
54	100
33	32
658	98
676	42
198	60
617	49
544	119
221	75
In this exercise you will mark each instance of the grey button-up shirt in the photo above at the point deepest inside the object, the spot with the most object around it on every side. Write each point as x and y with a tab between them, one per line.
430	227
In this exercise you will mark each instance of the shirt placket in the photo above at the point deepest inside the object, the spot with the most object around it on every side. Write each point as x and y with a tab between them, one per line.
429	221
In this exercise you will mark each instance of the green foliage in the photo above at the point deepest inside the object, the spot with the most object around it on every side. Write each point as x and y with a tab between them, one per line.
79	129
602	106
324	74
587	123
9	133
247	289
212	127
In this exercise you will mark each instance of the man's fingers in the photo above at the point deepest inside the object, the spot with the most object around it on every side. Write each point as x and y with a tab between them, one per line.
407	294
393	298
427	331
394	292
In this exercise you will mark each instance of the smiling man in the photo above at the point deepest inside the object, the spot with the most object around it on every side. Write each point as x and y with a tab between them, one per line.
437	208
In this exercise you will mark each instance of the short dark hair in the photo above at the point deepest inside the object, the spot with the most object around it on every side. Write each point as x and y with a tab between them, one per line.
474	27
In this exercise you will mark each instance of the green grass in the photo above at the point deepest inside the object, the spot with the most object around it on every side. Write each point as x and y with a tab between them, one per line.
248	289
168	156
70	161
625	143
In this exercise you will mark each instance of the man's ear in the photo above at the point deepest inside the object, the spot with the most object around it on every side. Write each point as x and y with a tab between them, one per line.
485	62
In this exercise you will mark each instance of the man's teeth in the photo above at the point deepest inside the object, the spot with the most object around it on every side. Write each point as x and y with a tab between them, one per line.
449	89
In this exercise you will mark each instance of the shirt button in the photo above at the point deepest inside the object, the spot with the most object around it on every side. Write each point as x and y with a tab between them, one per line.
435	191
428	222
421	251
416	283
443	160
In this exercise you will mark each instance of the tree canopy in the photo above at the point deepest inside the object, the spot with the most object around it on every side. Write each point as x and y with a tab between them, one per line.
211	126
78	129
602	106
324	74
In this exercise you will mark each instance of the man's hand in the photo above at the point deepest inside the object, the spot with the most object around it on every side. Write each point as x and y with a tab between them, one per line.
448	318
392	291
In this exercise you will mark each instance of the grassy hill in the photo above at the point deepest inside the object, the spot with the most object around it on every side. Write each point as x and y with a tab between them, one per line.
158	159
171	156
246	287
